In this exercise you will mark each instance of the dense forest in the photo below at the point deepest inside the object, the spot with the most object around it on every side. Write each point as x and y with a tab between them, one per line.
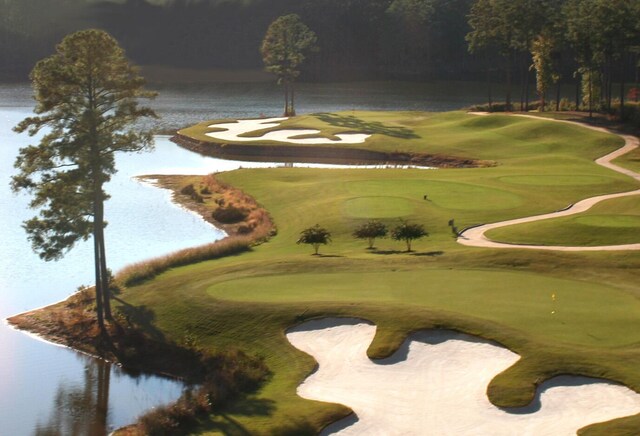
530	43
358	38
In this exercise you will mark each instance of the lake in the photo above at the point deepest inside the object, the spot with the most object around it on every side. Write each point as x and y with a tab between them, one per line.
46	389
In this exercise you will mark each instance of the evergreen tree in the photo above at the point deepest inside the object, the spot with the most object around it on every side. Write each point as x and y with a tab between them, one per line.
284	49
87	102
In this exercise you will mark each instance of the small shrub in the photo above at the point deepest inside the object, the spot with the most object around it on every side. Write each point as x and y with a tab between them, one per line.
205	191
244	229
190	191
314	236
229	374
408	233
229	214
370	231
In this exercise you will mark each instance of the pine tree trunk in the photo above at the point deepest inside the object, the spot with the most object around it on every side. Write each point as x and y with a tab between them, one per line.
610	83
558	96
98	222
622	83
590	94
508	71
489	90
523	79
98	277
292	109
526	92
489	83
637	70
106	291
578	92
285	85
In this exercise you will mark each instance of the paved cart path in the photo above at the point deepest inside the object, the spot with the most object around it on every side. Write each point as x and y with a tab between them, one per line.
475	236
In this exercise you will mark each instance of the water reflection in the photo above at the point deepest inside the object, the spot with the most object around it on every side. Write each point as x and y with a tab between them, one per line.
81	408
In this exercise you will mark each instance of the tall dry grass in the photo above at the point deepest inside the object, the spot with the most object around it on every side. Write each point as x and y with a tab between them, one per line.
257	227
139	272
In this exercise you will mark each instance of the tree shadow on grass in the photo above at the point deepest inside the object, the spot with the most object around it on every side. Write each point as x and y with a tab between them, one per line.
388	252
372	127
228	425
141	317
428	253
412	253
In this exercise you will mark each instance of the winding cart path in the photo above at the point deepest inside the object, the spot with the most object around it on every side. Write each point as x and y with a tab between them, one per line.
475	236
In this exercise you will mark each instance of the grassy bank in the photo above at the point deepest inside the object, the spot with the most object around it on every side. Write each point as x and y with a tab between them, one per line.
249	301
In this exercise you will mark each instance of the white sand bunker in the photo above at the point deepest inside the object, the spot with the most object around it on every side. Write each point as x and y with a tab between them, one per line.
240	127
436	385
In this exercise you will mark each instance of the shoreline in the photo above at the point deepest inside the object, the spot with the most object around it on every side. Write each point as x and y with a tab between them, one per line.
31	323
320	154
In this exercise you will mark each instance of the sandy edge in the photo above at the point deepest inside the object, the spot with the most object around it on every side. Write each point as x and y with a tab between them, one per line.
435	372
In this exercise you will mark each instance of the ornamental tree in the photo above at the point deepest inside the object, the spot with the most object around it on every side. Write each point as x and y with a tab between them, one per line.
315	236
408	233
370	231
86	104
284	49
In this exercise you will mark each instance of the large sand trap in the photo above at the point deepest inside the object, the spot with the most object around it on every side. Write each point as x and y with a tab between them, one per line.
436	385
237	128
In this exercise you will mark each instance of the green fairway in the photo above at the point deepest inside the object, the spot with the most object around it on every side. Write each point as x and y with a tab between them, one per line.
631	160
592	327
611	222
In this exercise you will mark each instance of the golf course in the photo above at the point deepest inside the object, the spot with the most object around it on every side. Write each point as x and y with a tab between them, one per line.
562	312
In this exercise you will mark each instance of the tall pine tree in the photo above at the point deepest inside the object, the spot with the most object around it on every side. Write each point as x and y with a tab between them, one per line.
87	103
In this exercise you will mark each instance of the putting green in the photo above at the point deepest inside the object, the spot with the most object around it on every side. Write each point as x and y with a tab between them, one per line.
447	195
581	313
378	207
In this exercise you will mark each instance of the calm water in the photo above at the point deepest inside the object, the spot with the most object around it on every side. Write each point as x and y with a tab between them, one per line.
45	389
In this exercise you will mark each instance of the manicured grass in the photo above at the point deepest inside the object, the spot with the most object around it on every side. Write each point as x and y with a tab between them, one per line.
611	222
631	160
496	137
248	301
575	316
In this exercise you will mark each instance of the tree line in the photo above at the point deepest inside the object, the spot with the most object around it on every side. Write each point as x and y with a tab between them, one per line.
589	43
592	43
358	39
